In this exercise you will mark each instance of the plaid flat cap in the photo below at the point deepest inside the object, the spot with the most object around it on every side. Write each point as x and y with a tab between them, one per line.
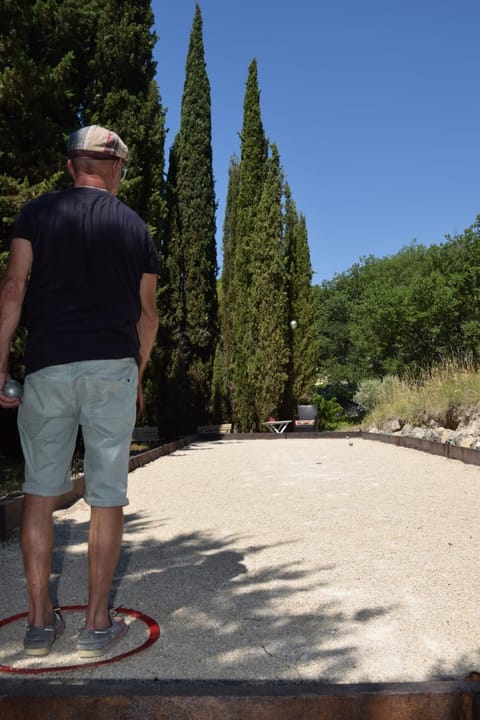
96	142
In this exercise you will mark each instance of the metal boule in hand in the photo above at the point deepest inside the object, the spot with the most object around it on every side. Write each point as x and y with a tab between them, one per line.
13	389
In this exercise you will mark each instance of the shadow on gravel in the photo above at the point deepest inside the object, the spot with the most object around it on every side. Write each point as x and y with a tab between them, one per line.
225	618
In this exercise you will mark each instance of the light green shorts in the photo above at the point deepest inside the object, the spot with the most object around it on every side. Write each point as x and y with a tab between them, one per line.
99	395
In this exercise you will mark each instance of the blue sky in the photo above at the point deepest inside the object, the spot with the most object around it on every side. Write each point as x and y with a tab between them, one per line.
374	106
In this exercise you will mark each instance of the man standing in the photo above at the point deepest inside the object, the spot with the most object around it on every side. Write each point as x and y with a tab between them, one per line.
83	267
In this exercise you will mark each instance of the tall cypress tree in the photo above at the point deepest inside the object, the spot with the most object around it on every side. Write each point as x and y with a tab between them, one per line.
266	282
173	346
190	251
197	205
269	357
227	299
304	341
252	172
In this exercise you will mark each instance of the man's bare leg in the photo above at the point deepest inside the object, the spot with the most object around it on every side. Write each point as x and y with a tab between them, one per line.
37	547
104	545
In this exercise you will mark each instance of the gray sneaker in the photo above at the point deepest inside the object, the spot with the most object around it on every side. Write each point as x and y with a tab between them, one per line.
39	639
94	643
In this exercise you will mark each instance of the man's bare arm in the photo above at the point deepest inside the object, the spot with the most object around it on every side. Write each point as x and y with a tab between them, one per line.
12	293
148	324
147	328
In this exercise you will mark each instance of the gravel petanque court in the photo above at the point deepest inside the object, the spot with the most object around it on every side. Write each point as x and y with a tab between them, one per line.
337	560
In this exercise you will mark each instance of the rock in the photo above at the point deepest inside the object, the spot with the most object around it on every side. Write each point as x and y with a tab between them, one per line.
407	429
445	435
467	441
393	426
467	433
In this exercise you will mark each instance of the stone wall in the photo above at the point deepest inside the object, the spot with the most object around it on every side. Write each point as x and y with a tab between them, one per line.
463	430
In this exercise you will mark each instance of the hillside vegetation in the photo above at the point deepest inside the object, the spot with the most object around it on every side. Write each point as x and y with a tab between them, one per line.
445	395
403	313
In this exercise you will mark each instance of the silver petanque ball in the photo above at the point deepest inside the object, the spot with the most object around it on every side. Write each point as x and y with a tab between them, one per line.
13	389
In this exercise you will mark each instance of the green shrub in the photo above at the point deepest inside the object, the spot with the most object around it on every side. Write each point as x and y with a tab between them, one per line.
374	392
329	413
369	394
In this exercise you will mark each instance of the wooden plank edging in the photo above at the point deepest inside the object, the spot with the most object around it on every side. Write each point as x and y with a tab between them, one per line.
238	700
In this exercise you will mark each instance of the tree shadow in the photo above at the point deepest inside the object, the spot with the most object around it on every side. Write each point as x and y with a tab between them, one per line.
228	621
461	669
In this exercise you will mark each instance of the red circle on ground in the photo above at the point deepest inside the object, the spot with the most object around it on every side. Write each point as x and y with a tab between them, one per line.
153	635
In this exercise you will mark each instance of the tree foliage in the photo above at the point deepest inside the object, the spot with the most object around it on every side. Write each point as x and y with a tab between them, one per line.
189	250
122	93
224	366
252	172
65	64
403	312
268	357
68	63
43	46
266	281
303	340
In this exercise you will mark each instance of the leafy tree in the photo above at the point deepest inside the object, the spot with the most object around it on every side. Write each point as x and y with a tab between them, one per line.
63	67
39	95
461	256
68	63
402	313
122	93
334	300
329	412
43	45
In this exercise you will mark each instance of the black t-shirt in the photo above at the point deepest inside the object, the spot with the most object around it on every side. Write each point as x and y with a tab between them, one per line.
89	253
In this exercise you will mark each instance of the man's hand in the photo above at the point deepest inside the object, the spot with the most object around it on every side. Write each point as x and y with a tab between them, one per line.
6	402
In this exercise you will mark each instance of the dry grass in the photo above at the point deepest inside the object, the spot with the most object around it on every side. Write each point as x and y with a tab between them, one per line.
449	389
